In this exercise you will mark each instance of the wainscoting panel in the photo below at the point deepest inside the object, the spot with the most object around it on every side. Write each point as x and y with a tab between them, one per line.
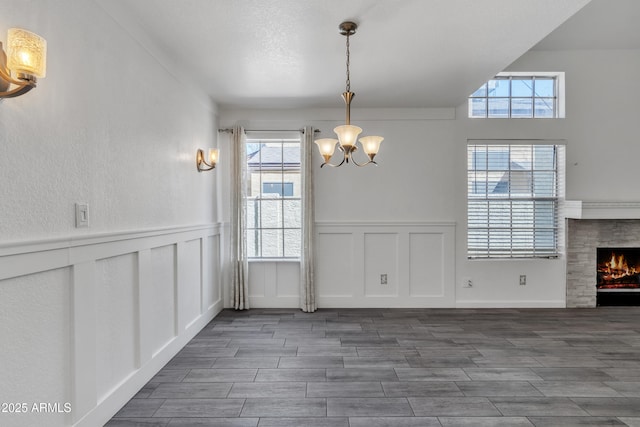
211	262
257	280
274	283
335	259
418	259
34	328
429	262
162	299
189	297
287	285
92	319
116	321
380	258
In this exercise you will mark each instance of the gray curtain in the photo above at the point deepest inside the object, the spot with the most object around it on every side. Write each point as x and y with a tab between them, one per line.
239	264
307	285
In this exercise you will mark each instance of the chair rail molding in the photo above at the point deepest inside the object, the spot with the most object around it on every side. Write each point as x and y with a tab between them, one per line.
135	299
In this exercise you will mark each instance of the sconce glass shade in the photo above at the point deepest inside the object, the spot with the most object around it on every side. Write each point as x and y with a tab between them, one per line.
371	144
347	135
326	146
213	156
26	52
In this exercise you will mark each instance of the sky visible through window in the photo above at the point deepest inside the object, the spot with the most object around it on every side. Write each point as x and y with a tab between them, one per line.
515	97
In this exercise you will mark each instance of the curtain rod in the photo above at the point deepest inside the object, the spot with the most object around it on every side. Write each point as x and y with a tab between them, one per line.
230	130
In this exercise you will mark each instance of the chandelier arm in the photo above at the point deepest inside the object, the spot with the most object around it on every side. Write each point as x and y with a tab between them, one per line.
362	164
333	165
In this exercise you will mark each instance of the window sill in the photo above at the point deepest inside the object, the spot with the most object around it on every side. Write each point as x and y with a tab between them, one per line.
274	260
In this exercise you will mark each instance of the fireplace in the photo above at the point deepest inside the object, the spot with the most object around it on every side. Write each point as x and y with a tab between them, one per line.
618	276
601	226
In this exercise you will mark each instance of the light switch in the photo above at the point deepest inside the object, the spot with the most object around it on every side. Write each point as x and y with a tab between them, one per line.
82	215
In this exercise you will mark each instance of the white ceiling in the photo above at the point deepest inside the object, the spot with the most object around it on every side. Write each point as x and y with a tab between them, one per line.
406	53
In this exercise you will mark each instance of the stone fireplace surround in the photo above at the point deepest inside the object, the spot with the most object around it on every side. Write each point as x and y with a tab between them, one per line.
592	226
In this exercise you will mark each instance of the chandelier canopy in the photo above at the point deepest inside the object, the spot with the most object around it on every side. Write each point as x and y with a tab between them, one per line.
348	133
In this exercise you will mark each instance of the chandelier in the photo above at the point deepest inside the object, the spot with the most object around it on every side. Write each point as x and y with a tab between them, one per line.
347	133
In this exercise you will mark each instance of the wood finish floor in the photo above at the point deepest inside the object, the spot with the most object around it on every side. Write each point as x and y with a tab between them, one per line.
401	367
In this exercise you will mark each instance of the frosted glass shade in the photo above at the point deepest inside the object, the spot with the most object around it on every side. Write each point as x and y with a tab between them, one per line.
347	135
371	144
26	52
326	146
213	156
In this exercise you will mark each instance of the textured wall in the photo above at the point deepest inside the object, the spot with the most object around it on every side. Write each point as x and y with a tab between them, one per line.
109	125
584	237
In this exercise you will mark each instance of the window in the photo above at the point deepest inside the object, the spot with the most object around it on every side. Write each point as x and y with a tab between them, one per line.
518	95
281	188
273	198
512	200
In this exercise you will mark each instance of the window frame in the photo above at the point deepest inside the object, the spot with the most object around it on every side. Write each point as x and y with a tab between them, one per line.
259	200
513	248
558	98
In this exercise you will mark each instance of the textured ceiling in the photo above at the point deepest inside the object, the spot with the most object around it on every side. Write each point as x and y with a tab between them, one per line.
289	54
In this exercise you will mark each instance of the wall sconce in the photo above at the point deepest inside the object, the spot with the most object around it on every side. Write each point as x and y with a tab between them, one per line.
211	163
26	56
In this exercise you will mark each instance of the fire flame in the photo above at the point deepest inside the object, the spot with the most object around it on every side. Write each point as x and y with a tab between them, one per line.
617	267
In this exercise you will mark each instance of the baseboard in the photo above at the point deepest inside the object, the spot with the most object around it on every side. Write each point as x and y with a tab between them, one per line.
511	304
274	302
384	302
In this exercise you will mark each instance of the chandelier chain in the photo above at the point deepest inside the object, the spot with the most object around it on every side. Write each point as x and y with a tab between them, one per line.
348	75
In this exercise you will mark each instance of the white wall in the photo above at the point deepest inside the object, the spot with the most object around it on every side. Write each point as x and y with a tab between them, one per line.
394	219
602	124
88	315
422	179
109	126
601	120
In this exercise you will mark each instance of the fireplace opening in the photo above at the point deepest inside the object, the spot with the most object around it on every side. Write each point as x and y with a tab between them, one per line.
618	276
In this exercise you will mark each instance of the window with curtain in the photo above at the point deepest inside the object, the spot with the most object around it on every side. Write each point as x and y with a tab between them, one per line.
273	202
513	200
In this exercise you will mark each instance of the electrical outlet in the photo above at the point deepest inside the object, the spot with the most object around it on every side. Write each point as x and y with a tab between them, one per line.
383	279
523	280
467	282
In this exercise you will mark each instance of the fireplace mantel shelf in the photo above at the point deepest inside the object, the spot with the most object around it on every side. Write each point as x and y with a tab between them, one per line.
578	209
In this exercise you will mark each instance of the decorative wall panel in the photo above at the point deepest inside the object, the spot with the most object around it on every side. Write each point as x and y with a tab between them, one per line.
108	311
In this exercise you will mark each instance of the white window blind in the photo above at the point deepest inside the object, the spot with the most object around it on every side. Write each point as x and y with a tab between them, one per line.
512	206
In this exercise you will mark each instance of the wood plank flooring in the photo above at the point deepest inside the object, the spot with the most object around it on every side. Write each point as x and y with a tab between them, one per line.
401	367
